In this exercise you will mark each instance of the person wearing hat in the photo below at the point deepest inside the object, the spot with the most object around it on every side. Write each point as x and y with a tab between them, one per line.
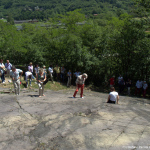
80	84
145	86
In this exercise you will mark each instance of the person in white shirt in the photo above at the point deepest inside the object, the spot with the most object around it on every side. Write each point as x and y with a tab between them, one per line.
8	66
80	84
145	87
69	78
30	68
138	85
2	71
113	96
15	75
28	76
50	70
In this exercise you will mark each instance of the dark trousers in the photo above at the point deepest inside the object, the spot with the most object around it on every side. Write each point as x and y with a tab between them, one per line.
121	88
138	91
113	102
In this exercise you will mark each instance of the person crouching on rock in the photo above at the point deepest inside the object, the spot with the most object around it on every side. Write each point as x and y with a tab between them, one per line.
41	77
113	96
80	84
28	76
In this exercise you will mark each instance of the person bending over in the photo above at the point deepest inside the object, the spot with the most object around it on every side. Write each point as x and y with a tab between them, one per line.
15	74
28	76
80	84
113	96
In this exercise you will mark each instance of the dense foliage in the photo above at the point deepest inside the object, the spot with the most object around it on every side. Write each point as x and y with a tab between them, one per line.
120	47
44	9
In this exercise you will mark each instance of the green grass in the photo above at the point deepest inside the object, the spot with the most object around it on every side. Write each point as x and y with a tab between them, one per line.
56	86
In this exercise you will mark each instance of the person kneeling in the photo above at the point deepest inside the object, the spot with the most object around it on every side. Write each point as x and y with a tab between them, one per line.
113	96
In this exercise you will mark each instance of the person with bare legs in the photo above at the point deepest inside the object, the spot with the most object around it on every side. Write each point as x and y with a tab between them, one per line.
41	77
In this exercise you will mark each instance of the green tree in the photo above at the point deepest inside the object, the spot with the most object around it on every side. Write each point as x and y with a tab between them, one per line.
10	19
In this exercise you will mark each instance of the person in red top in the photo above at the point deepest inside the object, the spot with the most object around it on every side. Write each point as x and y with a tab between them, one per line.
112	81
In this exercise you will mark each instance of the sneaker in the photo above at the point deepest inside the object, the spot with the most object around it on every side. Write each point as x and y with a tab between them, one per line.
73	97
3	82
30	84
82	97
9	81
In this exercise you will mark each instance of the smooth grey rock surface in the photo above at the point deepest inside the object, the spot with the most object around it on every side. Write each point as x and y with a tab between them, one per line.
59	122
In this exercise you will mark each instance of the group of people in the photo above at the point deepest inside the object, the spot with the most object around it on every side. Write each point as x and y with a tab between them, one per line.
141	86
40	74
4	68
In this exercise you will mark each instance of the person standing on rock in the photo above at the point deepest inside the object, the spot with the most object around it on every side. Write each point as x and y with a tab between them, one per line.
113	96
41	77
112	81
8	66
145	87
15	74
69	78
36	69
80	84
50	70
57	70
128	84
30	68
138	85
120	78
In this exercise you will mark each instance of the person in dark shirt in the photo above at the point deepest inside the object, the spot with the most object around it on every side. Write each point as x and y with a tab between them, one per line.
128	84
